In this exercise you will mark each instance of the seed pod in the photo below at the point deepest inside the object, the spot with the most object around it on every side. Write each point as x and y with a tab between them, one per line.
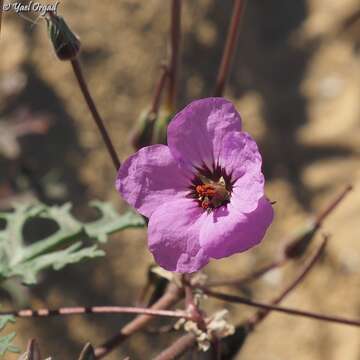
66	43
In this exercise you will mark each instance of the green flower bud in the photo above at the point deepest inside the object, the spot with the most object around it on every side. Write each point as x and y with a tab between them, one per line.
143	131
66	43
160	129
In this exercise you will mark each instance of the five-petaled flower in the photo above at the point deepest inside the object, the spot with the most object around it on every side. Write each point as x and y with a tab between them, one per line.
204	192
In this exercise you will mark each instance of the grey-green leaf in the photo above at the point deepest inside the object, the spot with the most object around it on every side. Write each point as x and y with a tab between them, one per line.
6	344
5	319
61	248
111	222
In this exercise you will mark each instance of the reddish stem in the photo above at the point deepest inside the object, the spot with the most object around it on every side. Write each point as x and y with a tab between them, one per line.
1	12
32	350
288	311
171	297
248	278
94	310
174	52
292	243
94	112
261	315
329	209
230	46
196	314
178	348
158	91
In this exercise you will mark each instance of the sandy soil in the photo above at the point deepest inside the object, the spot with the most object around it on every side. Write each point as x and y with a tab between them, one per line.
296	82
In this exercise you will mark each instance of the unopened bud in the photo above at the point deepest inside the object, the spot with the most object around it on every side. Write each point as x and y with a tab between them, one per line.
87	352
143	132
160	129
301	240
66	43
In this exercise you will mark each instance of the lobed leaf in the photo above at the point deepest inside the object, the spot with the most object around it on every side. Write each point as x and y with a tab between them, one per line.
65	246
6	344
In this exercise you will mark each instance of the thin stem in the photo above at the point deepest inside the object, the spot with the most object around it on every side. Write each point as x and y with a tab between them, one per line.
247	278
216	348
172	295
288	311
331	206
143	134
197	315
298	240
261	315
94	310
178	348
230	46
94	112
158	91
350	21
246	327
32	350
174	52
1	12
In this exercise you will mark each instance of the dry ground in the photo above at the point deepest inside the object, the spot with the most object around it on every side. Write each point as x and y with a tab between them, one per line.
296	82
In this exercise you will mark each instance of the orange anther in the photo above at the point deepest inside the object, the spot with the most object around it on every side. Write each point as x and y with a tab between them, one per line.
205	190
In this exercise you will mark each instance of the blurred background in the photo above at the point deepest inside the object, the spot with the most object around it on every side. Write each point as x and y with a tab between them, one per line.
296	82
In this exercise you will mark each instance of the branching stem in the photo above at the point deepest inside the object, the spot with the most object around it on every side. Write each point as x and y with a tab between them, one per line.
172	295
294	240
262	314
288	311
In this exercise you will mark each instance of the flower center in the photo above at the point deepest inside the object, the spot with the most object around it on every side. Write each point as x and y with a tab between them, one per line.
212	194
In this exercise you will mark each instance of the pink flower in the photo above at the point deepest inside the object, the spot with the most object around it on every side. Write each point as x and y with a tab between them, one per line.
204	192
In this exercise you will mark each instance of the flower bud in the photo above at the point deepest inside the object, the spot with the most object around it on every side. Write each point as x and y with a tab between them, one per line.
87	352
160	129
300	242
66	43
143	131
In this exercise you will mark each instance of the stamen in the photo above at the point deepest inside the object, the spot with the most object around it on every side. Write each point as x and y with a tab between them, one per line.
212	194
205	190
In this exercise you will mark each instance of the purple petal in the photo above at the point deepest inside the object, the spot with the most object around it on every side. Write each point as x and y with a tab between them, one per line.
151	177
174	236
239	155
228	231
241	160
195	135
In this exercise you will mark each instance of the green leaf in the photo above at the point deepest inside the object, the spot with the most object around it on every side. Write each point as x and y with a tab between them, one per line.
111	222
61	248
6	340
5	319
56	259
6	344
